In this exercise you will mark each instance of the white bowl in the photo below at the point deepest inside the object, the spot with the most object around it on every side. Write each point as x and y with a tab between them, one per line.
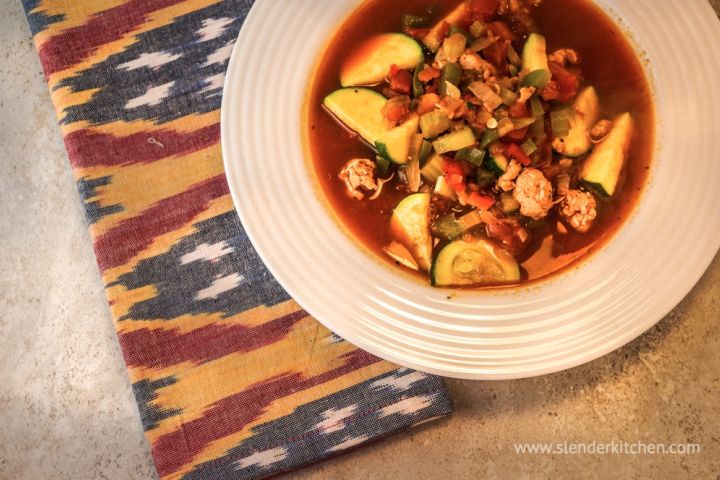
642	274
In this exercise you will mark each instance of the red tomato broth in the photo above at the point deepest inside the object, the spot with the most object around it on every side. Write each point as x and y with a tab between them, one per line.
609	63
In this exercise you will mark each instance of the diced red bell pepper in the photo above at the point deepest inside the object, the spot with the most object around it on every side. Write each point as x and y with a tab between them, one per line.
480	201
454	175
513	150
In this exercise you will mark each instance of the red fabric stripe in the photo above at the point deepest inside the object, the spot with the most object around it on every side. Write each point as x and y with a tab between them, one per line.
123	242
88	148
165	348
73	45
174	450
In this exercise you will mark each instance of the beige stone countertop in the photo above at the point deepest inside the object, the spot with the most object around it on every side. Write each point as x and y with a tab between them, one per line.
67	410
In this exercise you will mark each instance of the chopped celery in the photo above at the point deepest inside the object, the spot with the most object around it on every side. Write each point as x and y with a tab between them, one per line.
508	96
451	73
514	57
537	78
529	147
425	152
560	120
536	107
415	21
491	136
471	155
455	141
478	28
482	43
418	87
434	123
433	169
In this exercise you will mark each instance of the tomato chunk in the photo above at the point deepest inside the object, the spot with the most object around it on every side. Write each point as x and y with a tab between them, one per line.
513	150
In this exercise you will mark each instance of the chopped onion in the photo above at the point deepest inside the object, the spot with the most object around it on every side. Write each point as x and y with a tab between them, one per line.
486	95
452	91
505	126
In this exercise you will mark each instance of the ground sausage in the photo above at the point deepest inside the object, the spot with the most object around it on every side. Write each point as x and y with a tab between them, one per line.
534	193
359	177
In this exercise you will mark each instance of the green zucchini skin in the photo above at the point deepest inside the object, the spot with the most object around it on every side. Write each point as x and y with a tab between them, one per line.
586	113
602	169
478	262
360	110
535	62
370	63
395	145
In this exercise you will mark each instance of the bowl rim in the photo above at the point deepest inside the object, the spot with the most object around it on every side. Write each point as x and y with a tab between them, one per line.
230	156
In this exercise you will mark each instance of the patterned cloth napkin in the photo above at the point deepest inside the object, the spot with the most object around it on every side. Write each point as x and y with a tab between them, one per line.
233	380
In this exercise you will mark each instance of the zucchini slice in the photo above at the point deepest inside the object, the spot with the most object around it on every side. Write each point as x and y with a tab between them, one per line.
360	109
535	62
497	164
410	226
586	113
474	263
433	40
395	144
603	167
452	142
370	63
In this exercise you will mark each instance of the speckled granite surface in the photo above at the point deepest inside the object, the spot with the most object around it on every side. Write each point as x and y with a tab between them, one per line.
66	409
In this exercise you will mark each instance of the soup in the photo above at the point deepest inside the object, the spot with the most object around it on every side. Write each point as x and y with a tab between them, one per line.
482	143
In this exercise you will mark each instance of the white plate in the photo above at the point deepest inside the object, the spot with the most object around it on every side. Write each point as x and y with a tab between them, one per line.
621	292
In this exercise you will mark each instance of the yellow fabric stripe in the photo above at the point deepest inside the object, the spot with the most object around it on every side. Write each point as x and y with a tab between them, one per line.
163	243
187	394
140	186
76	14
154	20
189	323
281	408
